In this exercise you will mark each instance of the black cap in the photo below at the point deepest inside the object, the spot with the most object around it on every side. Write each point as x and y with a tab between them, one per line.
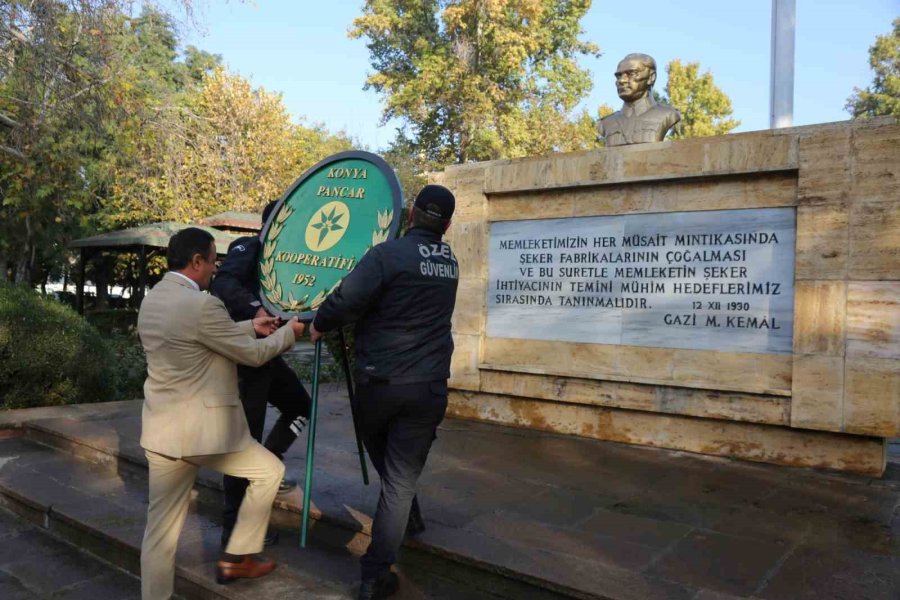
437	201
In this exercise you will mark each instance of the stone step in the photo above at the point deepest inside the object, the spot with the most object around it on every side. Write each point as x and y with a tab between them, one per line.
36	565
523	514
98	503
101	508
479	562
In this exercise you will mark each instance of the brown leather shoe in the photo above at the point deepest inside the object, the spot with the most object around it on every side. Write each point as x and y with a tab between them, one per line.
248	568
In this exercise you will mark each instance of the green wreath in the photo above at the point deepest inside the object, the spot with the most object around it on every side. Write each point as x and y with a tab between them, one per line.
273	290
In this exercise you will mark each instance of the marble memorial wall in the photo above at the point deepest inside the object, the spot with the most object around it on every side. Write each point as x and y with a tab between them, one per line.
735	295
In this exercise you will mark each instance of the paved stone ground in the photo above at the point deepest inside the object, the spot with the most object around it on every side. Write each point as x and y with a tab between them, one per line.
598	518
35	565
102	507
627	521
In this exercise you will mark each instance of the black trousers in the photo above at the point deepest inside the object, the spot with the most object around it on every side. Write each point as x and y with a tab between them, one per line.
274	383
399	424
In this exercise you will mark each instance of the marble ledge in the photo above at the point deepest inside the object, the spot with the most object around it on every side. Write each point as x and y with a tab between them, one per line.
624	379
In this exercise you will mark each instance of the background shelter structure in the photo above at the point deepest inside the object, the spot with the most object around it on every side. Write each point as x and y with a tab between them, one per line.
232	221
145	241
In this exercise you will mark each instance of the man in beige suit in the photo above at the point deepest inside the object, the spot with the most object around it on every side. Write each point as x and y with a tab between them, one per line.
192	414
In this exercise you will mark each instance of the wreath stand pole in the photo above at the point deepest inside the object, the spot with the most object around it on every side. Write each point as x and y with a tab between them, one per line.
359	445
310	444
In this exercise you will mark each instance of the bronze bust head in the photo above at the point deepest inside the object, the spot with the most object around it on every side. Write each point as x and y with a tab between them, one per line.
641	119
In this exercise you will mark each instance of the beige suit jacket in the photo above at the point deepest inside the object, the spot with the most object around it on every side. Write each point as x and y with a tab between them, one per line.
191	403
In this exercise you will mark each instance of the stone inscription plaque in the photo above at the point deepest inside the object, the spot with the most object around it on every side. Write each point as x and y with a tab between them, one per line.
709	280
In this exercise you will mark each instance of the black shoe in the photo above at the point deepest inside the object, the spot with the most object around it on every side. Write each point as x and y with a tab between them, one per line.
415	524
376	589
287	485
270	540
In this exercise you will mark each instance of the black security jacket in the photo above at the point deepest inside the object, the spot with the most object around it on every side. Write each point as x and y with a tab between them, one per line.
401	296
237	283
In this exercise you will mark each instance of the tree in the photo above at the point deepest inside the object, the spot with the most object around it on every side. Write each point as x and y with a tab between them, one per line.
51	88
478	79
225	146
705	109
65	66
58	55
410	167
244	150
883	96
110	128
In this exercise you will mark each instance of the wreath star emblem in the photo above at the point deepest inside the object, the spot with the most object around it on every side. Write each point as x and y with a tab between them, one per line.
328	223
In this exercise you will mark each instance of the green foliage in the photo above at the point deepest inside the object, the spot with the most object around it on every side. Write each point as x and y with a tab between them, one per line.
883	96
63	67
329	371
113	321
130	369
340	351
477	79
409	166
705	109
119	328
225	146
199	63
49	355
115	130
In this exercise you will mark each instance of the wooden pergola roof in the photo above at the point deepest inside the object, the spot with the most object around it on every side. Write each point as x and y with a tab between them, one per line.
154	235
146	241
234	220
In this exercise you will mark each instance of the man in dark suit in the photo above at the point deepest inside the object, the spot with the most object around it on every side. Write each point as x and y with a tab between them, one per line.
275	383
401	297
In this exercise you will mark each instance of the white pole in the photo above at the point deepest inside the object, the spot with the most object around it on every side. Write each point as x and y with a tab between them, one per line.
781	85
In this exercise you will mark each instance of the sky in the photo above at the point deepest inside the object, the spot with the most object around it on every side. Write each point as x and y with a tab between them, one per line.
300	48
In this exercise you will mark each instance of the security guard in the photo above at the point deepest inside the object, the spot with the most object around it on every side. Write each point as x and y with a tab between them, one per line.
275	383
401	296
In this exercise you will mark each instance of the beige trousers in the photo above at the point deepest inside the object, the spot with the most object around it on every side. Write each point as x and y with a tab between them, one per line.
171	480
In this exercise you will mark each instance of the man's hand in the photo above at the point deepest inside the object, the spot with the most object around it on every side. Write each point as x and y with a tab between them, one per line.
297	326
264	326
314	334
261	312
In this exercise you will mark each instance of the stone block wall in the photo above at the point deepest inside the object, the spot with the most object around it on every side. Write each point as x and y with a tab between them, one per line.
830	403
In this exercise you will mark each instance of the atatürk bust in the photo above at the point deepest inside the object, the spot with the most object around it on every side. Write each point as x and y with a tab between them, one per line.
641	119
